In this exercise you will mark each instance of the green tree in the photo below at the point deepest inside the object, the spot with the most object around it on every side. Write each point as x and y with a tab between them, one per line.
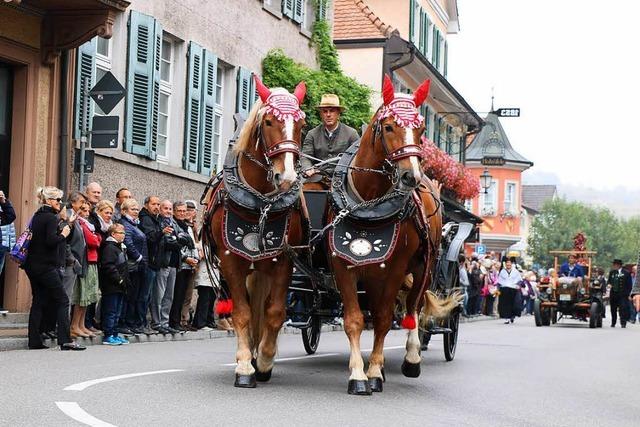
279	70
560	220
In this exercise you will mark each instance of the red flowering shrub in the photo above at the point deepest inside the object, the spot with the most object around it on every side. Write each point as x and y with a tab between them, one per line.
454	176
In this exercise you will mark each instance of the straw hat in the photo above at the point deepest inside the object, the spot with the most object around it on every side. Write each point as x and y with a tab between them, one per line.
330	100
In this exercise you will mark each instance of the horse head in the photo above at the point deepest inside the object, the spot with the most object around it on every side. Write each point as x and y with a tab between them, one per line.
279	132
399	126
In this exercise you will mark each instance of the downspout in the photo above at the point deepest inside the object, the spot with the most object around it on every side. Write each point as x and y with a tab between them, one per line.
64	116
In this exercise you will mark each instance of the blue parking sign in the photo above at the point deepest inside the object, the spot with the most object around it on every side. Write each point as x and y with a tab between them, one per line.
481	249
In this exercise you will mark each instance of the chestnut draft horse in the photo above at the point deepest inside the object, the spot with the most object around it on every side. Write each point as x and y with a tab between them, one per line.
251	217
391	143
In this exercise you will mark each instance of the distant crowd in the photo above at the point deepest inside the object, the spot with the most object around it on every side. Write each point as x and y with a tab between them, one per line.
500	286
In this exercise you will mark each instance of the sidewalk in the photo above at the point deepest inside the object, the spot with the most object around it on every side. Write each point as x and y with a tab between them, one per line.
13	335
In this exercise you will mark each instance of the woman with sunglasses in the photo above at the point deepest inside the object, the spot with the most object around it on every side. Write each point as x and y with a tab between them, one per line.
45	265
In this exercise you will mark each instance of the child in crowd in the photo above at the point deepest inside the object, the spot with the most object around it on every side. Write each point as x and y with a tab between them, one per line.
113	279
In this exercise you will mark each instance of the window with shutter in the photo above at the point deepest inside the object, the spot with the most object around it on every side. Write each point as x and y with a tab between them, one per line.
243	94
85	79
208	137
445	59
143	79
322	9
298	10
434	48
193	107
254	91
412	18
288	8
421	32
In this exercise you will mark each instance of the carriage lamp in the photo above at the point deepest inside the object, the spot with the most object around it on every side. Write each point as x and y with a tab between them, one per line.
549	290
485	180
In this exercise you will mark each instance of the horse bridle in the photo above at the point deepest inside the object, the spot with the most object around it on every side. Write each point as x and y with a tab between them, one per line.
392	157
282	146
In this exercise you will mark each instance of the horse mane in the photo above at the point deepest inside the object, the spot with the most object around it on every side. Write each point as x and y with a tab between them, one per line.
248	132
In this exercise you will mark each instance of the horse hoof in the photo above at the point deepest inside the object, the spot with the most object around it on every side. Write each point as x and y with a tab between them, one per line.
359	387
411	370
375	384
261	376
245	381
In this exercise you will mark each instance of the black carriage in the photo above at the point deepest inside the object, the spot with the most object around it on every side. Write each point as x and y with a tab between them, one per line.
314	298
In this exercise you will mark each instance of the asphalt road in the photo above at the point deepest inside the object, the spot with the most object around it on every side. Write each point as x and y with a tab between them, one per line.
503	375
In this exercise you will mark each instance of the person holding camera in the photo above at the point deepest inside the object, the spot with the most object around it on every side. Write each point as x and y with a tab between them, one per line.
168	260
188	261
45	266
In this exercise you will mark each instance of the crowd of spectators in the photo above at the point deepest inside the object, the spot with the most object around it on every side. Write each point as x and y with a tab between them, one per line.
116	269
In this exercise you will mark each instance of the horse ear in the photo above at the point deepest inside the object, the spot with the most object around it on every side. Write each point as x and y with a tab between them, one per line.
263	91
387	90
300	92
420	95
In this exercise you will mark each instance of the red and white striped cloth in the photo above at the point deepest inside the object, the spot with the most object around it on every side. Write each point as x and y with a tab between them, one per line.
404	111
283	106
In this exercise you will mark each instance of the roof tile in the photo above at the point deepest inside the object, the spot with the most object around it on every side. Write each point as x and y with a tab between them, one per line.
353	19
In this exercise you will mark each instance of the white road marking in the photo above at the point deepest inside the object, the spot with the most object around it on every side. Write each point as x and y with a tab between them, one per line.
83	385
317	356
73	410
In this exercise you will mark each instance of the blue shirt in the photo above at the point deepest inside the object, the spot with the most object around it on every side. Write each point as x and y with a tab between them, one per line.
565	271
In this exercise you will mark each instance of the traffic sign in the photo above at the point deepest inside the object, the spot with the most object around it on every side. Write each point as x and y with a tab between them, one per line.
481	249
88	161
107	93
105	132
508	112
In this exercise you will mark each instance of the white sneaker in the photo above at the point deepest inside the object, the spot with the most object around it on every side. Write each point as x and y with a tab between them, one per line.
205	328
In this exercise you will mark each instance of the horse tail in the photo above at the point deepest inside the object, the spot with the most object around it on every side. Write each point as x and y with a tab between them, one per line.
258	288
440	308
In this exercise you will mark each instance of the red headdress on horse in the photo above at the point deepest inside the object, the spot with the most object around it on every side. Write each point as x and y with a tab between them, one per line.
403	108
282	105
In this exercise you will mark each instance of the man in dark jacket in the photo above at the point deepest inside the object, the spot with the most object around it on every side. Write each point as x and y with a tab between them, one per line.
113	277
620	282
93	194
150	225
168	261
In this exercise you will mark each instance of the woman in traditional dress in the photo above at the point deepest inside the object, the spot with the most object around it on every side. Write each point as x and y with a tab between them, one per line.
509	282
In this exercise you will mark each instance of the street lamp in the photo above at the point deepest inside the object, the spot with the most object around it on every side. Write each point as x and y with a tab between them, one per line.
485	180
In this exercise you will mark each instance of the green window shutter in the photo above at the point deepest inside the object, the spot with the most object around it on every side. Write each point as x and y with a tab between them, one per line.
210	69
427	121
322	10
157	55
85	70
427	25
412	8
288	7
140	84
421	32
434	47
193	109
243	93
438	39
298	10
253	91
446	55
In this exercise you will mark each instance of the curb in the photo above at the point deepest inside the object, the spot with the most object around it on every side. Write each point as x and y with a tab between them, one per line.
477	319
21	343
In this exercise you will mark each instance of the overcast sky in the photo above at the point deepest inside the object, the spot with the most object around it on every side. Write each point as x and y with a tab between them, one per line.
572	67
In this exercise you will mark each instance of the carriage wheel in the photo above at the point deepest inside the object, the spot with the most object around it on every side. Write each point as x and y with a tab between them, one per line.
451	339
311	334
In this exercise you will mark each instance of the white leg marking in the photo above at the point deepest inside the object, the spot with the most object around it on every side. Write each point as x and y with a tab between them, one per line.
374	371
244	368
356	364
73	410
265	364
413	345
